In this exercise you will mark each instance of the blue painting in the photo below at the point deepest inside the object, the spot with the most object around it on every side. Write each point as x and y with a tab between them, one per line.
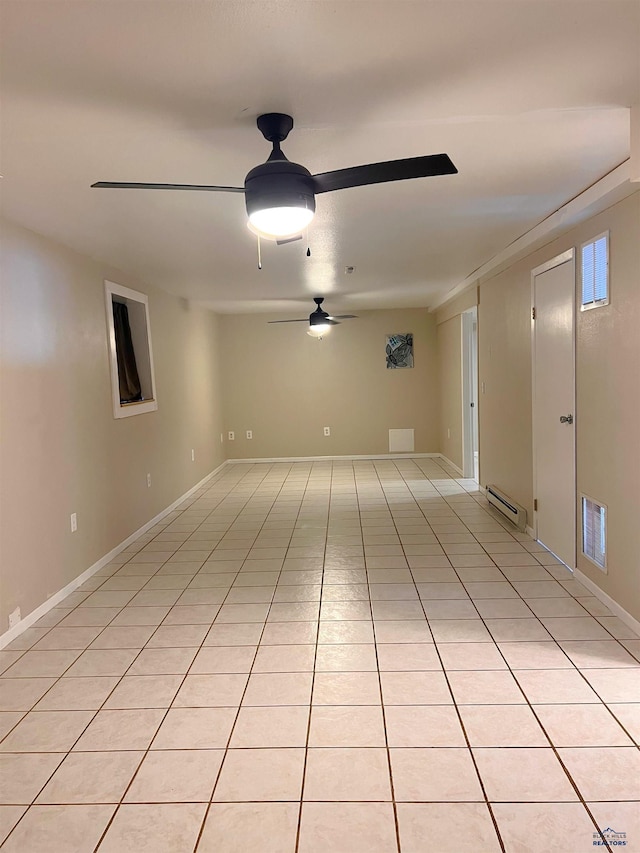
399	351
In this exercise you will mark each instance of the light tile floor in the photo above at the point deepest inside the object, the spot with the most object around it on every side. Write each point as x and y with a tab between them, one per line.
326	658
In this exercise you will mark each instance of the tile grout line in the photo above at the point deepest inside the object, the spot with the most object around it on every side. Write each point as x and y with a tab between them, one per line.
574	785
148	749
533	711
313	671
551	744
207	810
382	705
231	731
461	722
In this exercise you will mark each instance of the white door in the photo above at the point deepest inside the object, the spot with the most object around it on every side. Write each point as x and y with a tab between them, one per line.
474	407
470	467
553	287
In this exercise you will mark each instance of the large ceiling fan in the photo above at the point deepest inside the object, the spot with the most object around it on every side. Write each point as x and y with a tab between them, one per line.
320	322
280	195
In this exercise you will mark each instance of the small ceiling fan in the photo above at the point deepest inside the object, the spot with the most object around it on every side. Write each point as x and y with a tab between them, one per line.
320	322
280	195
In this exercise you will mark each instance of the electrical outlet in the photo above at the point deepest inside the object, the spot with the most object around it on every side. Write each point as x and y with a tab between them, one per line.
249	433
448	432
327	430
148	481
15	617
232	435
221	438
74	522
193	455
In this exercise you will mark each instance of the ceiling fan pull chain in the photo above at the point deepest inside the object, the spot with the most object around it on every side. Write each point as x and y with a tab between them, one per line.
259	254
308	249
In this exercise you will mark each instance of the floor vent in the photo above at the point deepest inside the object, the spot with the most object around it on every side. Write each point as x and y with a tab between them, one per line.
594	532
516	514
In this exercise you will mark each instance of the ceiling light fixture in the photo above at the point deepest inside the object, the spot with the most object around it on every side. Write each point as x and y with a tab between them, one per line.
279	194
276	223
319	330
319	321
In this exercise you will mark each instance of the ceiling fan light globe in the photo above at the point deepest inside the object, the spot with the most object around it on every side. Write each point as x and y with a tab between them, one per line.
319	330
274	223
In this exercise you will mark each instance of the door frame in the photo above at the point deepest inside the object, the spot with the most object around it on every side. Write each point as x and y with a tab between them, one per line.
566	257
468	363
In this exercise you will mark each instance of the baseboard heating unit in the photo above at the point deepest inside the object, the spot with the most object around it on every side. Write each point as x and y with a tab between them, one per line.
516	514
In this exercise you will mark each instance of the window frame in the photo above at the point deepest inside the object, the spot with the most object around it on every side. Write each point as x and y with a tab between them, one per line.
596	303
127	410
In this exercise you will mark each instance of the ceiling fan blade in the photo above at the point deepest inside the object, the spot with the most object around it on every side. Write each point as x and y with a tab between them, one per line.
301	320
331	321
380	173
123	185
344	316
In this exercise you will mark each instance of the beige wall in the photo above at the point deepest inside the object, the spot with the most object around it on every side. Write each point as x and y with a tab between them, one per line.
62	451
449	337
607	389
504	365
285	386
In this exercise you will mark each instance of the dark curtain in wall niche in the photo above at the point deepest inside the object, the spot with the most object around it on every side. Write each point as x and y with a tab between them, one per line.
128	378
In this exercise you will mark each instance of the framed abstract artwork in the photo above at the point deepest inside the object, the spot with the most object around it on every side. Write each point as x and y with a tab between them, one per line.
399	351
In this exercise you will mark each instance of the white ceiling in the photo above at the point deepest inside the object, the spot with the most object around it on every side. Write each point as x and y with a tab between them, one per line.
529	98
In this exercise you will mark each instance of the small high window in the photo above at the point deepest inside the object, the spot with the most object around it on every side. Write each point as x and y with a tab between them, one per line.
595	272
132	376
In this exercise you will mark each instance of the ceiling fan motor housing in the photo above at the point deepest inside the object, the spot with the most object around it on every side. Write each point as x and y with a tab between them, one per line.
279	183
318	317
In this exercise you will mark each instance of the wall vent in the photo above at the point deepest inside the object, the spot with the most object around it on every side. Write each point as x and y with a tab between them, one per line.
510	509
401	441
594	532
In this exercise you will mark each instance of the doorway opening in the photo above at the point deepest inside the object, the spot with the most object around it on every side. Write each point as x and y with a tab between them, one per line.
470	443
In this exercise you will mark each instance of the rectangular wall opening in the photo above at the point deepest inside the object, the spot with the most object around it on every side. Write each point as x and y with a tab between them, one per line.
131	355
594	532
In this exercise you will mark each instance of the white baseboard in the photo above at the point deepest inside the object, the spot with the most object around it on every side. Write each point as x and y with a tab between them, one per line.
629	620
59	596
449	462
408	455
